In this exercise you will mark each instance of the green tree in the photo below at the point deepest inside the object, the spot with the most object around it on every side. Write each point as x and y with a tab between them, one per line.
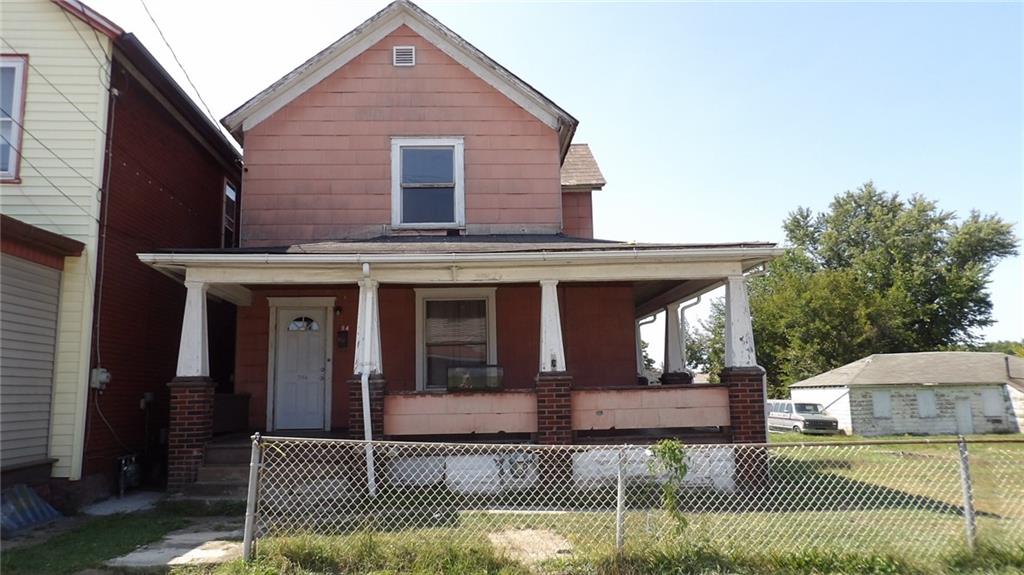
876	273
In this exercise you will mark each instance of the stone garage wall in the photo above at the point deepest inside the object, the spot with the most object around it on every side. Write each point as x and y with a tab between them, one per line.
906	418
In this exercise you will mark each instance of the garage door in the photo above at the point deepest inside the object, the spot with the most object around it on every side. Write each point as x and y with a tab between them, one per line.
29	296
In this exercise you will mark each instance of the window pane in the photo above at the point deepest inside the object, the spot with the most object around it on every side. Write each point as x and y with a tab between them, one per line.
442	357
5	148
428	166
456	321
7	90
428	205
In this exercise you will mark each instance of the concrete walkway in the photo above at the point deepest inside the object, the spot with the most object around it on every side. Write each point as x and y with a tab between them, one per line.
215	540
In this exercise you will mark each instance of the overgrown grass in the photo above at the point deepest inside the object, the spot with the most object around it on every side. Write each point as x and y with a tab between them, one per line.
90	544
366	555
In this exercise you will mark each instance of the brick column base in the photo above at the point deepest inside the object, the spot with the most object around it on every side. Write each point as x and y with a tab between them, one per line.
355	406
554	410
746	403
190	428
747	416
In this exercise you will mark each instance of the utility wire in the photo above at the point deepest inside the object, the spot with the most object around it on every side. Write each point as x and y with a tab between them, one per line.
175	56
48	180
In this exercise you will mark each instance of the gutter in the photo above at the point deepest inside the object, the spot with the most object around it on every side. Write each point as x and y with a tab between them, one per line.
303	259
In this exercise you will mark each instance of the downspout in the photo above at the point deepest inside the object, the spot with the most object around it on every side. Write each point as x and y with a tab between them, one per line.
639	343
682	336
371	479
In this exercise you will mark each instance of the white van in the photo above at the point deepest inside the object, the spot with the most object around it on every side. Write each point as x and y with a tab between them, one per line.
788	415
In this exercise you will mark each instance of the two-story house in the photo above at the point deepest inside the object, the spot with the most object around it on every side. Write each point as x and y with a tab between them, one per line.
417	262
102	156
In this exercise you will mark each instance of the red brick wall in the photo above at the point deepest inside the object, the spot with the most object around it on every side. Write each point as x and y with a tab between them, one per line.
165	191
320	169
577	215
598	333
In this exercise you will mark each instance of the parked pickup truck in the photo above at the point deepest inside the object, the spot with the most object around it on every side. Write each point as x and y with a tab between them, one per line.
787	415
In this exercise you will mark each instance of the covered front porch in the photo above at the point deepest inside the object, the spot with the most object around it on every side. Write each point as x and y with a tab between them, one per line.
507	345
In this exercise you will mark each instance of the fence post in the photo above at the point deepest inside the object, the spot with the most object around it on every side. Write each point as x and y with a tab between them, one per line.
620	504
965	482
250	499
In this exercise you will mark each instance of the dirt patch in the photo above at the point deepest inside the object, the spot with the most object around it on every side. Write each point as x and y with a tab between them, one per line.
530	545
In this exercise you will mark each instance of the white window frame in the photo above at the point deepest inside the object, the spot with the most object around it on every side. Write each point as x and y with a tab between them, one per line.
456	143
20	64
932	404
877	405
228	184
424	295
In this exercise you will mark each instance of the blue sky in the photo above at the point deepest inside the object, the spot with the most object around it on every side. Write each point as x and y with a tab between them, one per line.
711	121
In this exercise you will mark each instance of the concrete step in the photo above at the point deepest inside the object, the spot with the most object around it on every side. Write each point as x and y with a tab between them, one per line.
235	473
228	453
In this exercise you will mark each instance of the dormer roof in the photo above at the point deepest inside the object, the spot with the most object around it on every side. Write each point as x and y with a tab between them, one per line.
398	13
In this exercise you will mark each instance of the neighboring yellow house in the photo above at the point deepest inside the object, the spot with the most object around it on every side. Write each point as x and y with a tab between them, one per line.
59	67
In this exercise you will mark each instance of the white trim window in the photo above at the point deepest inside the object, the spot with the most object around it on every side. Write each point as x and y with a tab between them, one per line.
881	404
427	188
12	113
455	327
992	402
926	404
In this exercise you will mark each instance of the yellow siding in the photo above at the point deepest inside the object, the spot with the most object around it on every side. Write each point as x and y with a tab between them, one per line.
58	46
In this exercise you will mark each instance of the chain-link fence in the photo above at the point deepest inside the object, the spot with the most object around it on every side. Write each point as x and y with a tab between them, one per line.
919	499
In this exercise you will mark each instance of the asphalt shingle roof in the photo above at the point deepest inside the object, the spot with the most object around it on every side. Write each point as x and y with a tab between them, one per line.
580	169
935	368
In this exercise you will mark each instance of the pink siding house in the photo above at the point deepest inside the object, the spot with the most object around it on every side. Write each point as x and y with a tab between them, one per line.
417	261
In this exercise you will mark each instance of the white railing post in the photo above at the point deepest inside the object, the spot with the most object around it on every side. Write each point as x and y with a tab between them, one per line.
250	499
965	483
552	354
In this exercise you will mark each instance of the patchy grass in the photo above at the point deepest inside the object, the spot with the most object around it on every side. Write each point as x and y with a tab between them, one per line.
90	544
384	555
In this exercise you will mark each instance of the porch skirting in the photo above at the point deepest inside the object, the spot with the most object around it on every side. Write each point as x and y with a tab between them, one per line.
355	402
190	429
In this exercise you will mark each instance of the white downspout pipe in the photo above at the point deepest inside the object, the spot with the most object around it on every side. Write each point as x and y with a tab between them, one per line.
682	328
366	319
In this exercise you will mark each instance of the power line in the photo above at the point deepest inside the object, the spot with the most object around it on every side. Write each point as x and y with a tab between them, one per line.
52	153
48	180
56	89
175	56
105	65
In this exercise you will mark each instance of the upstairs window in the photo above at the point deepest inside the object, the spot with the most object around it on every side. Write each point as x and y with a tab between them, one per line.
426	183
12	114
230	236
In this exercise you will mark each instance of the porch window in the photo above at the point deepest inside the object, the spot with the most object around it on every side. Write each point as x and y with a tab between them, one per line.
426	183
12	117
454	328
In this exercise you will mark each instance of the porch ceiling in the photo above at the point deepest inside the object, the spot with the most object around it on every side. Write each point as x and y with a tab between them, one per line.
652	296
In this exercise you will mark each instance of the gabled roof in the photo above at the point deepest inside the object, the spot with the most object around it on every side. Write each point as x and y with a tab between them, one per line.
398	13
924	368
580	169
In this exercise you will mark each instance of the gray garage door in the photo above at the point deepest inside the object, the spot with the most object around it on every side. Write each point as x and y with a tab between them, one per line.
29	296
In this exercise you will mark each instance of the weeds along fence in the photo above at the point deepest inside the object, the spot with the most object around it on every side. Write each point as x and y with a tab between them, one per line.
912	498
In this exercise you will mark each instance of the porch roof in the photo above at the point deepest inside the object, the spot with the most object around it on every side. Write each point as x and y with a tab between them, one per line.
661	272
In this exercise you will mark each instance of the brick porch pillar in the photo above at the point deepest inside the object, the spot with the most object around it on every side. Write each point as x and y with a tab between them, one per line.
554	408
746	403
355	409
190	428
191	407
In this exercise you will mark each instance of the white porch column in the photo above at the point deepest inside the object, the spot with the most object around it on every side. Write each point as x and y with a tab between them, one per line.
367	356
739	333
552	354
193	350
673	340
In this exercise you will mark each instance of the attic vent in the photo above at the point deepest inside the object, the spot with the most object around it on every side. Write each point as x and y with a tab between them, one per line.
403	55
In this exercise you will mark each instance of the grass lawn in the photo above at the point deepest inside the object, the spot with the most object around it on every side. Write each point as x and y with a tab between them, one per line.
101	538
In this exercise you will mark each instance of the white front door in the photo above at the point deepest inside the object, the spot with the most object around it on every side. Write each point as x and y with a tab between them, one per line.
964	419
300	368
